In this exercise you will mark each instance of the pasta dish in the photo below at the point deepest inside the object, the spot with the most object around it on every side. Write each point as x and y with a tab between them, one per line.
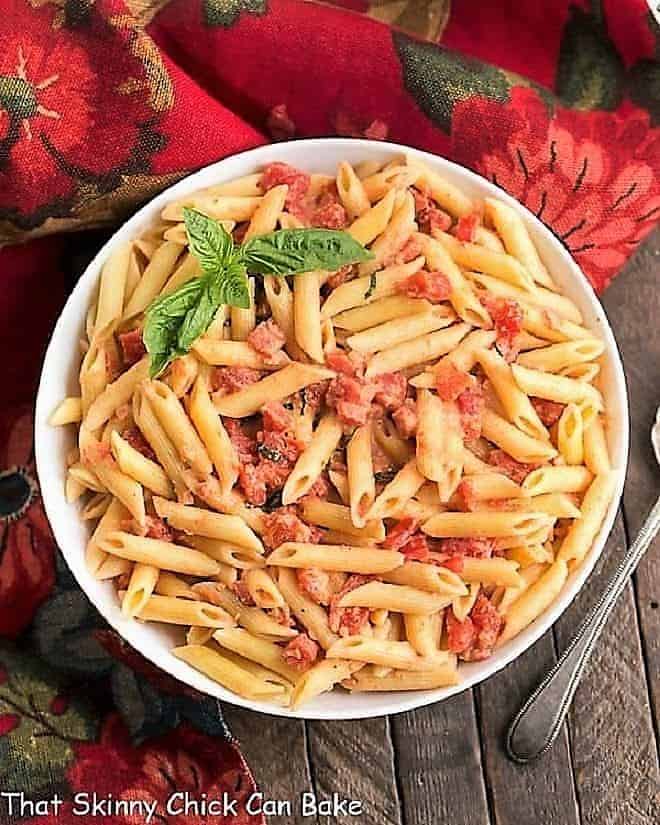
345	431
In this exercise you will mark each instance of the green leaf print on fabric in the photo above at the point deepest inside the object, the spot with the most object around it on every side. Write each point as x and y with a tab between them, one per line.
39	723
438	79
226	12
590	71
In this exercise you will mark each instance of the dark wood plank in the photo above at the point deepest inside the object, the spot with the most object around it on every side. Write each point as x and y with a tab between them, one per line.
633	306
276	751
611	730
438	763
543	792
355	760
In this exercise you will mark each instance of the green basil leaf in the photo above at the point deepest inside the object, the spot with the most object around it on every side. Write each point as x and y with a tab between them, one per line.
234	286
208	240
199	317
292	251
163	322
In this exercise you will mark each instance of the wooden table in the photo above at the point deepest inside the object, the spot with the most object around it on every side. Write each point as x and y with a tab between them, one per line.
445	765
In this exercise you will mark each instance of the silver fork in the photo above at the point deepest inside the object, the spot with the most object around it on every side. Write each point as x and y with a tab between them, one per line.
539	721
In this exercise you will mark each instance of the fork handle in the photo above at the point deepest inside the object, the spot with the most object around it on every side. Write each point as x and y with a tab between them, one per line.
539	721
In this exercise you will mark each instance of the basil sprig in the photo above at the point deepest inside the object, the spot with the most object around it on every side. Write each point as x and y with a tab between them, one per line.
173	322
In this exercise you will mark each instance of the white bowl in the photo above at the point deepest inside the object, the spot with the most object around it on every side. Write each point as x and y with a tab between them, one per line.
59	378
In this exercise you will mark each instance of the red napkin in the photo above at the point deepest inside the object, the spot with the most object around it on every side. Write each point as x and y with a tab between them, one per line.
104	103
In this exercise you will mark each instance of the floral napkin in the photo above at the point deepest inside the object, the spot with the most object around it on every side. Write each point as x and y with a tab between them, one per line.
102	104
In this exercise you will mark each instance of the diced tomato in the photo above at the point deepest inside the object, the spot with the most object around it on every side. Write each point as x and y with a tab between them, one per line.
266	338
466	227
401	533
416	548
232	379
112	363
276	417
135	438
132	346
298	182
348	621
429	216
460	635
277	446
471	406
405	419
274	474
507	317
283	525
315	583
436	219
515	470
319	489
465	493
329	212
391	389
548	411
314	395
158	529
301	652
409	251
472	547
351	398
240	590
339	361
450	382
487	624
434	286
453	563
245	446
279	124
422	202
340	276
252	484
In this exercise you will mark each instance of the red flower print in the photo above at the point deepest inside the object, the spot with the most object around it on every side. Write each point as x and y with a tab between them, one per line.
592	177
65	115
27	547
183	761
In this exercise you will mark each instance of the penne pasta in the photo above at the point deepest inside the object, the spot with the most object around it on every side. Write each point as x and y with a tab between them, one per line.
400	330
534	600
274	387
307	314
483	523
582	532
200	522
439	442
396	597
228	673
498	264
397	493
399	655
511	228
306	526
361	482
313	459
416	351
521	446
427	577
335	557
223	353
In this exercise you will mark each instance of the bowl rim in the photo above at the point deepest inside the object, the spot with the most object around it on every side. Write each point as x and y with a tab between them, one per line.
56	507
